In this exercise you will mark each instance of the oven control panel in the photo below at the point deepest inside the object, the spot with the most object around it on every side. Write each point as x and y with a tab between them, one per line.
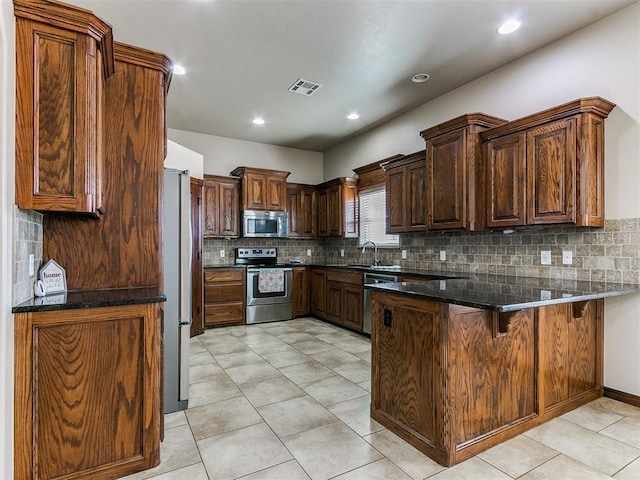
257	253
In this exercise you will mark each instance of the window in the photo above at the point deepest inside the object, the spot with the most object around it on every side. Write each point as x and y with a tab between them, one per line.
372	218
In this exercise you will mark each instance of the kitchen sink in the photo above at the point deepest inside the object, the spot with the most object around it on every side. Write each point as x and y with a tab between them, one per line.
385	267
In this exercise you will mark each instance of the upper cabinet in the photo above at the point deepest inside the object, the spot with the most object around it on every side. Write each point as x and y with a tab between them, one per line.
548	168
337	202
63	56
455	180
301	210
406	192
221	206
262	189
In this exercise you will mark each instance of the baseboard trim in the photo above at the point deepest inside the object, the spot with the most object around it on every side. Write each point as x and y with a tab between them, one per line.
622	396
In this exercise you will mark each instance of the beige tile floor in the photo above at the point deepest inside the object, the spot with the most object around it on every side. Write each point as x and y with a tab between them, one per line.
290	401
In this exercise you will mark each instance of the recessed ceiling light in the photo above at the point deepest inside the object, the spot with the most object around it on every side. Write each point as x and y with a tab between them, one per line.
509	26
420	78
178	69
258	121
353	116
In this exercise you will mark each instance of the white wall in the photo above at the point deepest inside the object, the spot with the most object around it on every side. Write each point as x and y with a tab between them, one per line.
222	155
7	134
182	158
600	60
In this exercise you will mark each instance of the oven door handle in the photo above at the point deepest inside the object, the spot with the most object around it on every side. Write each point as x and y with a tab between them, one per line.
257	270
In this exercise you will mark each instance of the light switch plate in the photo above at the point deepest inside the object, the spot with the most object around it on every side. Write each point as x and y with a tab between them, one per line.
567	257
404	254
443	255
545	257
308	252
342	252
221	253
32	264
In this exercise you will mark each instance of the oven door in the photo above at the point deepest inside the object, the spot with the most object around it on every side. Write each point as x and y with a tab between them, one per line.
255	297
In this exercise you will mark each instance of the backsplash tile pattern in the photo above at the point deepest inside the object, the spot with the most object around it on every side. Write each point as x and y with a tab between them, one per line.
288	249
27	239
609	254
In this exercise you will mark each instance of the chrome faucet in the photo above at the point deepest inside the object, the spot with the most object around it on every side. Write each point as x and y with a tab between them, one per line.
376	261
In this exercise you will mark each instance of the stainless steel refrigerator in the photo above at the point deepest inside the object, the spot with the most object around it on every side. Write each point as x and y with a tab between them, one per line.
176	253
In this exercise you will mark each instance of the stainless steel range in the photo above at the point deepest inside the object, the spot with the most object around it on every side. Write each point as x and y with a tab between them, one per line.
268	285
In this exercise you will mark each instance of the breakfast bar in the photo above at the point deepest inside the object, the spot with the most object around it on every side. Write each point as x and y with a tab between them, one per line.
460	365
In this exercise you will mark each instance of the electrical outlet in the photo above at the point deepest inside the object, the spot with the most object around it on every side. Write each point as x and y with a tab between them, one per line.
342	252
308	252
221	253
32	264
567	257
545	295
404	254
545	257
443	255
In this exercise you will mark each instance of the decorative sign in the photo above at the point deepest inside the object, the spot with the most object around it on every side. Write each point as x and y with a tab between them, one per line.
52	279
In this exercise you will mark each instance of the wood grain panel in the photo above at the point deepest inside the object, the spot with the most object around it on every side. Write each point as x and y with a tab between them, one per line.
318	292
322	198
216	293
300	293
308	209
446	179
485	395
396	200
197	289
124	248
88	407
211	195
228	313
591	170
334	301
334	209
417	196
224	274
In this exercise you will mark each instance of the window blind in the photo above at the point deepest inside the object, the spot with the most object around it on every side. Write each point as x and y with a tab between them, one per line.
372	218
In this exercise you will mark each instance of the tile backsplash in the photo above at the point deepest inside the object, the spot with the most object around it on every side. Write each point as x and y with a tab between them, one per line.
27	239
600	254
288	249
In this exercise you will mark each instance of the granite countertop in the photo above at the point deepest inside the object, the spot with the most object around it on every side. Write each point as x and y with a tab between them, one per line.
502	293
223	266
91	298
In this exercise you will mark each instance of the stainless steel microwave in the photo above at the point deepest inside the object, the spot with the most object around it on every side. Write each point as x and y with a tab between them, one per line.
260	223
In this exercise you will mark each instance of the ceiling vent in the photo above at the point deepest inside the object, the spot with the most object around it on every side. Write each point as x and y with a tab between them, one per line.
304	87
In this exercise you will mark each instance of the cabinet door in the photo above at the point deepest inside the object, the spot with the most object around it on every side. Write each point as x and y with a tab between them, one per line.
197	300
211	196
352	306
446	180
334	210
349	209
323	213
551	173
276	193
307	213
59	101
334	302
229	210
318	293
300	302
396	200
294	212
416	188
255	191
506	181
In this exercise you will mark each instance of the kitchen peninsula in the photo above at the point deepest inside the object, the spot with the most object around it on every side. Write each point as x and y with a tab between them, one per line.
460	365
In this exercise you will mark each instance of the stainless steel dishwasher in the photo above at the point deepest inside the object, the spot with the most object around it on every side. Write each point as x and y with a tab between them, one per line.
370	278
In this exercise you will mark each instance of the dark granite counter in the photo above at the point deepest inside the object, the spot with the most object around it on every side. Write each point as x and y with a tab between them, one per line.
223	266
394	269
503	293
90	299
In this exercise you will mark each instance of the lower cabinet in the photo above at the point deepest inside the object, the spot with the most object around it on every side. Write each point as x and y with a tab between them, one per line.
301	299
224	296
454	381
87	383
319	292
344	295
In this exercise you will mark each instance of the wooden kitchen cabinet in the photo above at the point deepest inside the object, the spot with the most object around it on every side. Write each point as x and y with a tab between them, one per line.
548	168
224	296
301	210
221	207
449	382
197	289
87	402
455	175
262	189
300	291
63	56
406	193
337	202
344	296
319	292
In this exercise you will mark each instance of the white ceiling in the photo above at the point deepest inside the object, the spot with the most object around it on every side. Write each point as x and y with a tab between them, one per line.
241	56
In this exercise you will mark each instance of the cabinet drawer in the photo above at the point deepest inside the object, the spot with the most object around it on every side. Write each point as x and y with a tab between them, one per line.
227	313
232	292
223	275
343	276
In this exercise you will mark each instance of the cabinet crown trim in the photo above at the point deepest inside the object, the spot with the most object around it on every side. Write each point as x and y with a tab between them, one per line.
239	171
74	19
405	160
478	119
596	105
338	181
